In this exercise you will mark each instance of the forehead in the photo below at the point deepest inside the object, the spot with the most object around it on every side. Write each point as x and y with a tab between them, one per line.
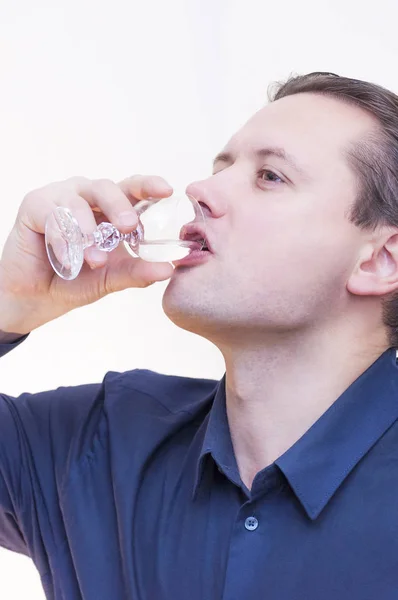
310	126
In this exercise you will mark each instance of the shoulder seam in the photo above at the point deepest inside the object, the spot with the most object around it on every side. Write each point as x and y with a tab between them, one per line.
140	391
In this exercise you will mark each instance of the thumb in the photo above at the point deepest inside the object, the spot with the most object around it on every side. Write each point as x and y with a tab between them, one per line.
136	273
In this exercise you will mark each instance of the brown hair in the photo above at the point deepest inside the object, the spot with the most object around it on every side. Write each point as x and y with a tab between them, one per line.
374	159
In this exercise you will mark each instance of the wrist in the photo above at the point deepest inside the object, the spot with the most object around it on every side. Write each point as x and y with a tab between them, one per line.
13	318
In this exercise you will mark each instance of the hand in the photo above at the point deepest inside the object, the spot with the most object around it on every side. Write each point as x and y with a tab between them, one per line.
31	294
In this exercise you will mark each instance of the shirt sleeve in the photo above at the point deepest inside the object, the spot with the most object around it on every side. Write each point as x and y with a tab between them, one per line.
7	347
40	436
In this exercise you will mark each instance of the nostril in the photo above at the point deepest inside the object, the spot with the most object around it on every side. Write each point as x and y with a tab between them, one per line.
206	210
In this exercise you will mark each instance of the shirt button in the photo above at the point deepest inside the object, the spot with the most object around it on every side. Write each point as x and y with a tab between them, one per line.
251	523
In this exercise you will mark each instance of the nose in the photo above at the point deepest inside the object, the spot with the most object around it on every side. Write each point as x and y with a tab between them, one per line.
210	198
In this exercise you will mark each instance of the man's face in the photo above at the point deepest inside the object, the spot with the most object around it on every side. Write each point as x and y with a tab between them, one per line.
277	203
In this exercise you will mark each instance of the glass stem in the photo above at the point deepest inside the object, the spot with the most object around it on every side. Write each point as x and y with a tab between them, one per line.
106	237
91	239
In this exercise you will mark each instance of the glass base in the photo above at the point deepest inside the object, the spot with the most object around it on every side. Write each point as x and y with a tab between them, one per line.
64	243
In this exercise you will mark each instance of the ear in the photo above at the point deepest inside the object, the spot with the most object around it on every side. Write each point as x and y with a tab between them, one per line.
376	272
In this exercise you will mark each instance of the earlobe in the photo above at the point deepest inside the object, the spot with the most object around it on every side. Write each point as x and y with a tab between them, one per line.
362	284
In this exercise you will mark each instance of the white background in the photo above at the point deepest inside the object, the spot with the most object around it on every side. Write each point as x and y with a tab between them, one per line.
109	89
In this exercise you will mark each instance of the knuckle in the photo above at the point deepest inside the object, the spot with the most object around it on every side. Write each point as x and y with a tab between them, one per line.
75	202
151	180
155	179
134	178
129	184
37	194
103	183
30	197
108	282
135	181
141	283
30	200
71	183
76	181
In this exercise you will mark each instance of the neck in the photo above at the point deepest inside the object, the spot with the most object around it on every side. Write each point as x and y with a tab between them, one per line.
276	391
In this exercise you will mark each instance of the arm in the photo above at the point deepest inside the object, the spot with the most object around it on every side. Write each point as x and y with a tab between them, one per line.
41	435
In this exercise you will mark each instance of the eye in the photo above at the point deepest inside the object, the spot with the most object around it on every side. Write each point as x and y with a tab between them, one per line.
269	176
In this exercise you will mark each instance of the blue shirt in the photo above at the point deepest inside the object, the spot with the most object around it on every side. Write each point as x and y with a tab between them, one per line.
129	490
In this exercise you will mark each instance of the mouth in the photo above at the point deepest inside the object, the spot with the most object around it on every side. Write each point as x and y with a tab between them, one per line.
193	232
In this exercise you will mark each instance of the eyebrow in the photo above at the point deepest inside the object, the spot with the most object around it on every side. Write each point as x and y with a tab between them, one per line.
265	153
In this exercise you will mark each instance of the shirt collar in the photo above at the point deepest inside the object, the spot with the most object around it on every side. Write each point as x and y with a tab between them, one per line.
323	457
216	441
317	464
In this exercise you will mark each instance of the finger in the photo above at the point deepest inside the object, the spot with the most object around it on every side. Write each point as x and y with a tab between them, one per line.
105	195
127	272
39	204
84	216
141	187
38	208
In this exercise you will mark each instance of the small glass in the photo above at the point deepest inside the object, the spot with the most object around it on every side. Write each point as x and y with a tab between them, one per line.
168	229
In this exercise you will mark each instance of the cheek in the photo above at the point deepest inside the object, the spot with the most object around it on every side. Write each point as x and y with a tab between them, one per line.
281	258
298	241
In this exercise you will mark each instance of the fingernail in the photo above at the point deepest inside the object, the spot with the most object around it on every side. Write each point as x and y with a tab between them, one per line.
95	257
128	219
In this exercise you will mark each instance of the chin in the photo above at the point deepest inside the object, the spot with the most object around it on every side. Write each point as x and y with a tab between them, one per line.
184	313
178	312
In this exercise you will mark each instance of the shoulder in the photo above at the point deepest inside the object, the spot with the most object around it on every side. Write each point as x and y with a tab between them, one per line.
145	388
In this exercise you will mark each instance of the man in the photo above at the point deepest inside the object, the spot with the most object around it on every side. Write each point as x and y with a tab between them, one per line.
281	480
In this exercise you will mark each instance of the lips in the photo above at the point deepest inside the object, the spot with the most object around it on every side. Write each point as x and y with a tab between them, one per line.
193	232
